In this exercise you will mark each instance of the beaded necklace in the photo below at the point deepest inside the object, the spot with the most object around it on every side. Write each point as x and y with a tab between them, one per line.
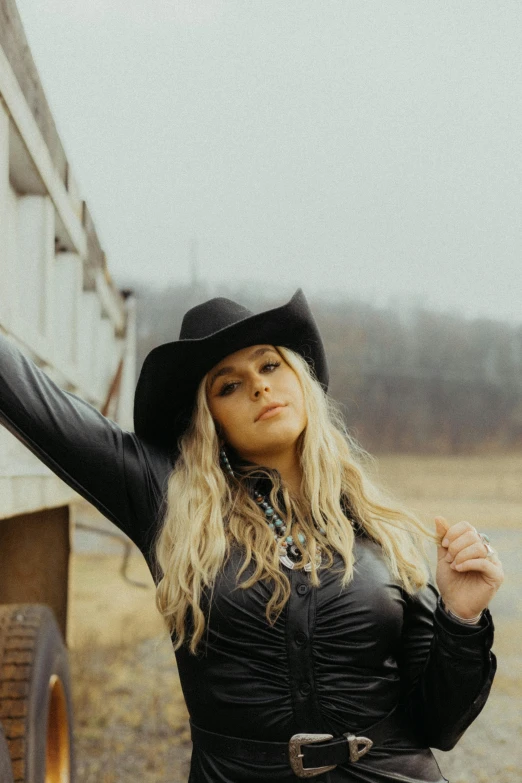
289	554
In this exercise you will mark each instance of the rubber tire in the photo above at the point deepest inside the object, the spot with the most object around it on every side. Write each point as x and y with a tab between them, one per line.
32	655
6	770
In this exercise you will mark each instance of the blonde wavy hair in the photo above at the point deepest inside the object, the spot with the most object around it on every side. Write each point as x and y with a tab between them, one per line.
208	513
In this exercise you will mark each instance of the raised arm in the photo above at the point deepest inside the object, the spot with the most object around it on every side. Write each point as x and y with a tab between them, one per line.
110	467
447	668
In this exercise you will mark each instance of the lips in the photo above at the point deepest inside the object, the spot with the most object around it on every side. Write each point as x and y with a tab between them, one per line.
268	408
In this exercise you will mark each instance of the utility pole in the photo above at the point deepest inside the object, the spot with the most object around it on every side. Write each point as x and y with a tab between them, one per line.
194	263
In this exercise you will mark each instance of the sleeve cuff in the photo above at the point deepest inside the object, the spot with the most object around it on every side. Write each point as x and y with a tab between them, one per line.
454	632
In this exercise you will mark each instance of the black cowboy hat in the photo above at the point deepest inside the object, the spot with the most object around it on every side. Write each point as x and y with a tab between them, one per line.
171	373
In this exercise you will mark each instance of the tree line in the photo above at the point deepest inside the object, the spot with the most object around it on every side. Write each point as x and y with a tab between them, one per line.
408	379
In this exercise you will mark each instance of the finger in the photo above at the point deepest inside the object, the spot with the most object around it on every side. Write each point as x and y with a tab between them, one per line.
441	526
466	539
474	550
454	531
492	571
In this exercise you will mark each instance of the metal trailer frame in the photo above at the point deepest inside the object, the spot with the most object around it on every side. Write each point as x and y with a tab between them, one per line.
57	301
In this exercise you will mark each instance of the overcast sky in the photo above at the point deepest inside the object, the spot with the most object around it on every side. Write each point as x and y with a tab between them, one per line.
372	148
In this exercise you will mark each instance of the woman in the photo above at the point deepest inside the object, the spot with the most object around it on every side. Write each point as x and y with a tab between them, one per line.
310	639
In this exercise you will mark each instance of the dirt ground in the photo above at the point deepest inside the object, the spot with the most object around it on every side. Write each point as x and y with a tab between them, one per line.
130	718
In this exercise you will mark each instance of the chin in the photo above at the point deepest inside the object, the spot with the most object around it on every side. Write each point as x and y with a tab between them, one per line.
277	441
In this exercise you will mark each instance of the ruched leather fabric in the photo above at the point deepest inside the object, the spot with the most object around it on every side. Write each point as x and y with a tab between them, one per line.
337	660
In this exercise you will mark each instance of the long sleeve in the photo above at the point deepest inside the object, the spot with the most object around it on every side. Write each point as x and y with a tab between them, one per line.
447	668
111	468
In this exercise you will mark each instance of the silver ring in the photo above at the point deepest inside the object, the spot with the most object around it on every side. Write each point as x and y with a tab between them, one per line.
490	551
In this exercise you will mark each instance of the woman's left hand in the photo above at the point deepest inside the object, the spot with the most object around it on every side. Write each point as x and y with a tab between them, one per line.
466	579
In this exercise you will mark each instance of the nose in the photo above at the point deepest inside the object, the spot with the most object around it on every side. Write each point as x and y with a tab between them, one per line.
260	384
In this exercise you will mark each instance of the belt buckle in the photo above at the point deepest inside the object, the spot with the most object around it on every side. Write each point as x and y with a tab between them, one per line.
353	745
296	757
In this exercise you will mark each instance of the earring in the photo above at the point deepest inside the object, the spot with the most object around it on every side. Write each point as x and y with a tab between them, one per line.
225	464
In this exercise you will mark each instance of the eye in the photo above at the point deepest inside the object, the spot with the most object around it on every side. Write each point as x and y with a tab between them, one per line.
226	389
272	365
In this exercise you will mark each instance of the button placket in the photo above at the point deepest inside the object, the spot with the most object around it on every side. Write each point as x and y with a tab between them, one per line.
300	638
299	619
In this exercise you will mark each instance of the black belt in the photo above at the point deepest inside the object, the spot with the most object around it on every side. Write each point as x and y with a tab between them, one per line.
308	754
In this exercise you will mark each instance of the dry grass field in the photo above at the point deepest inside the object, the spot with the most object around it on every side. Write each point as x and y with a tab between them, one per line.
130	719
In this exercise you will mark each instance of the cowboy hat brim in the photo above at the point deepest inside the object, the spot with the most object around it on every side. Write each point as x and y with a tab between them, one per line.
168	381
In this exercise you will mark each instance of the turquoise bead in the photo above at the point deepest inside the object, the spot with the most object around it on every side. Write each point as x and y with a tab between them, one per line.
269	512
290	539
301	538
278	522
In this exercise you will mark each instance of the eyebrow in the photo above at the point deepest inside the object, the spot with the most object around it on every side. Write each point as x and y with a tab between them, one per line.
230	368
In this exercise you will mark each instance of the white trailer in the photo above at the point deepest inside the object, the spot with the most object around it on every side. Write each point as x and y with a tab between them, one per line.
60	306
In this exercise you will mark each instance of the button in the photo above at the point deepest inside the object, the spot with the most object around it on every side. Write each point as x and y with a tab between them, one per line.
302	589
305	688
300	637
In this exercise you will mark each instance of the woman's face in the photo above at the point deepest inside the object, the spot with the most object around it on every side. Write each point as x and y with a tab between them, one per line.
239	390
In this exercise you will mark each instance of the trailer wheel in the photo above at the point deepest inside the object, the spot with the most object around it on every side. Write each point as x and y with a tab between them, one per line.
35	695
6	770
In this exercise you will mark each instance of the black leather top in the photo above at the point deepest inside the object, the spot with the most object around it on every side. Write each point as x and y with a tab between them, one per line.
337	660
